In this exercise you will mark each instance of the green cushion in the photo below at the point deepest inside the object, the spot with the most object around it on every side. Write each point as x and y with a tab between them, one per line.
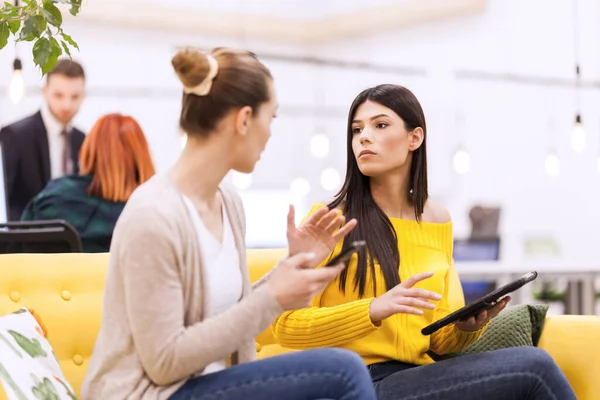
515	326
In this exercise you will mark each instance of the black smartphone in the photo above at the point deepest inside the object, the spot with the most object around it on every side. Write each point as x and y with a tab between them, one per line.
345	256
483	303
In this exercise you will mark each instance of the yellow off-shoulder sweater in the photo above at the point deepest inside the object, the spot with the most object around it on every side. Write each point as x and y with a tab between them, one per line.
342	320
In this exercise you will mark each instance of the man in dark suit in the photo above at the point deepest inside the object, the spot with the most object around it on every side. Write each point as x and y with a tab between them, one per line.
44	146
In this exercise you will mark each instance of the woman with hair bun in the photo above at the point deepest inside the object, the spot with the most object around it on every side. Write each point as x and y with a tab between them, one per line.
180	315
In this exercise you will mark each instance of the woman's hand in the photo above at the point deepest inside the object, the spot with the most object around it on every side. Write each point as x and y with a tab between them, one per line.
403	298
476	323
319	234
295	281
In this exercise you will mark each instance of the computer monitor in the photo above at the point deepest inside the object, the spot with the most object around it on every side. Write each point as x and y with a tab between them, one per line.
477	249
3	197
474	250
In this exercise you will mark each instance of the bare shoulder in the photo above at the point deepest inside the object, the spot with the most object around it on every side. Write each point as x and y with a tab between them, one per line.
436	212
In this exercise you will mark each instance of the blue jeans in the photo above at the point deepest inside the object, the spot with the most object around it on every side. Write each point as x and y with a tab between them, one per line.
307	375
521	373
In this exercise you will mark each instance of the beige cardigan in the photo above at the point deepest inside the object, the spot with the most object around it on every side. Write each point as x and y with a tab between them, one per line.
154	335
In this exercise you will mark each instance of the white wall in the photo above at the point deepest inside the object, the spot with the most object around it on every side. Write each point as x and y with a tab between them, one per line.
505	126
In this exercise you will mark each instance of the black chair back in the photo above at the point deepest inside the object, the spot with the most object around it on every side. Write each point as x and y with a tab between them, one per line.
51	236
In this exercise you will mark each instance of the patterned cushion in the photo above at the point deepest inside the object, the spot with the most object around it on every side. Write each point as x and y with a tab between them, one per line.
515	326
28	366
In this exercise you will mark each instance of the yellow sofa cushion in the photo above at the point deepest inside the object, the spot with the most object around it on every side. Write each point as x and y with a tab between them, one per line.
572	341
66	292
260	261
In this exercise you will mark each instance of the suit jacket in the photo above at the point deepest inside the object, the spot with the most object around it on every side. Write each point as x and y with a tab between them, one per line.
26	156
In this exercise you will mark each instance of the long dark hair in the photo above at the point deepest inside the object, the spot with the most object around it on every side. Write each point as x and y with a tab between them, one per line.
356	200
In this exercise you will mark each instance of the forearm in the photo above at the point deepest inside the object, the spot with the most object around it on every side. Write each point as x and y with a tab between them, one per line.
450	339
324	326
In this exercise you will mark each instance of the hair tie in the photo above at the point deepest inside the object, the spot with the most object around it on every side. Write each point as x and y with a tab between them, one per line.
204	87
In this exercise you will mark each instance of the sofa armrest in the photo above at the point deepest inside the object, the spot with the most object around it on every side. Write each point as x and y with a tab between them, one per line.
572	341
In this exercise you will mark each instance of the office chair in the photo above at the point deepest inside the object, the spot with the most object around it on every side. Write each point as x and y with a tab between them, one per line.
51	236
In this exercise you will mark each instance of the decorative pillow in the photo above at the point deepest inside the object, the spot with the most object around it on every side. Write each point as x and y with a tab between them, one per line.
28	367
515	326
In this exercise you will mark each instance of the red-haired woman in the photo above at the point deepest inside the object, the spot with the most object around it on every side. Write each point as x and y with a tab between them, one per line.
114	160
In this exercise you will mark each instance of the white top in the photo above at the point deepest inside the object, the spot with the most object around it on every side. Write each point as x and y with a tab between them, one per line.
222	273
55	142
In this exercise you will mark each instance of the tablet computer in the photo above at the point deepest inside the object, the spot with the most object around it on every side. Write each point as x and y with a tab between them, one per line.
485	302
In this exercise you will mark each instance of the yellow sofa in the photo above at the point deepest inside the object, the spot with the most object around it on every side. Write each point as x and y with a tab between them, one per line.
66	291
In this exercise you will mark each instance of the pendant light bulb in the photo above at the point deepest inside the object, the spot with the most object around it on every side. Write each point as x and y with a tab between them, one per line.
461	161
578	135
330	179
319	145
552	164
299	188
16	88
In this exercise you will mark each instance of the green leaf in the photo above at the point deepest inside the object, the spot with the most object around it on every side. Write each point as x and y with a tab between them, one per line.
46	53
41	51
75	6
33	27
70	40
55	47
52	13
31	346
9	10
56	51
10	7
9	381
9	344
14	26
65	47
31	4
4	34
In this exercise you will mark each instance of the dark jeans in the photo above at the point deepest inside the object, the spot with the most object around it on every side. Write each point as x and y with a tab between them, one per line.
521	373
307	375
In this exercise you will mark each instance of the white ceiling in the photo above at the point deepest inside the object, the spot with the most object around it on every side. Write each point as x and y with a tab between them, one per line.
305	9
283	21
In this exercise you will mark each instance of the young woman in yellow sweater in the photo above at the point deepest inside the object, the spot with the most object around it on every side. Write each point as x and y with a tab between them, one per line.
379	304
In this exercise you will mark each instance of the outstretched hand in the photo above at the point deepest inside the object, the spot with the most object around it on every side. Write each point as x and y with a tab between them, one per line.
319	234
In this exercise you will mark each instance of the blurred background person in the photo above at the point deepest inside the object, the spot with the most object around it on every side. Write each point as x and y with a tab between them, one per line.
115	159
44	145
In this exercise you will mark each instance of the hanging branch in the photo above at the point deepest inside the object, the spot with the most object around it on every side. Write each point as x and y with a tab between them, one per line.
38	21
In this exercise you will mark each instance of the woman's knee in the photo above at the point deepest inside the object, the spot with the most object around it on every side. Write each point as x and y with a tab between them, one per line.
542	374
340	356
349	371
533	358
339	359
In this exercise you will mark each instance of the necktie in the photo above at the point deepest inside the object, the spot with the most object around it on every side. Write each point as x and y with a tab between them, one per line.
65	151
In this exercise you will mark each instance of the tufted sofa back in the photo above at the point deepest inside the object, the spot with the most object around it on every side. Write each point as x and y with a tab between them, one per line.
66	290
